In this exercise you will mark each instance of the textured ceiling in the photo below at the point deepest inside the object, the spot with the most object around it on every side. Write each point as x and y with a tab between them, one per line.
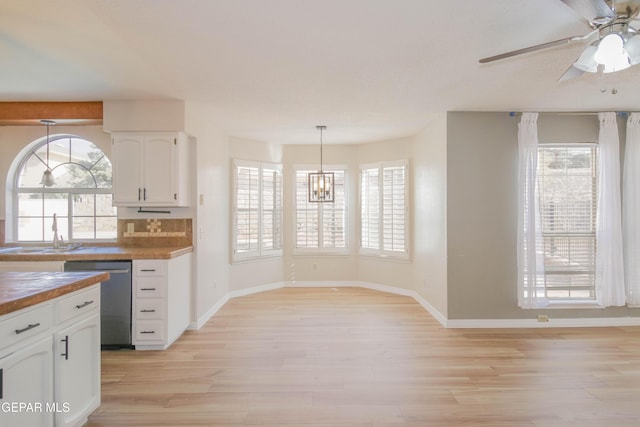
272	70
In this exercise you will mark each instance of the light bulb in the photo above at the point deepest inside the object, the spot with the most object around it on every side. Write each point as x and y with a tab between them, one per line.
47	178
611	54
632	47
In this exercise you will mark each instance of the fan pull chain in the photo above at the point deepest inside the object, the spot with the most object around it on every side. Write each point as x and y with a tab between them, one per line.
603	85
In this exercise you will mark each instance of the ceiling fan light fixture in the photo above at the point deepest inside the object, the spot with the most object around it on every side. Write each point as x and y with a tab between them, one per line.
632	47
611	53
586	62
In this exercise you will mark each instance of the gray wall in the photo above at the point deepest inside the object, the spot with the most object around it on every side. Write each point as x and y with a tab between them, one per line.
482	171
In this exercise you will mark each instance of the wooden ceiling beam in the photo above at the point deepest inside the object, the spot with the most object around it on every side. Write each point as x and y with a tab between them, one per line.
33	112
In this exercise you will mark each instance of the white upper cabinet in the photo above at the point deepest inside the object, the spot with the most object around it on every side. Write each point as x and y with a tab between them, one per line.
150	169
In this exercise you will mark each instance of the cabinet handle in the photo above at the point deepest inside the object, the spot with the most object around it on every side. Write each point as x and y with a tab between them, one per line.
145	193
147	311
31	326
86	303
139	193
66	347
148	270
147	332
1	383
147	289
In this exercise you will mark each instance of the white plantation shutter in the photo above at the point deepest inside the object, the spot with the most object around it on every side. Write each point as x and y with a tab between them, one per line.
334	216
393	209
320	227
247	209
567	180
384	209
257	210
370	208
271	209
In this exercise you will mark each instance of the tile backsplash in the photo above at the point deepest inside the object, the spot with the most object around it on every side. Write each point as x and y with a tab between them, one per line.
155	232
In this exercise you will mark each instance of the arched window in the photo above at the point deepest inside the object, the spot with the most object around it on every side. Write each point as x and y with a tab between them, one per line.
80	196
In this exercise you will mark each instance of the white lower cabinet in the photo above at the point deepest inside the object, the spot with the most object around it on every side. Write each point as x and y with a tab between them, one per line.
161	301
76	362
26	385
50	361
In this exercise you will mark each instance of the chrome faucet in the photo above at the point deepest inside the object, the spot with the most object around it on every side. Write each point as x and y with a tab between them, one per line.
54	228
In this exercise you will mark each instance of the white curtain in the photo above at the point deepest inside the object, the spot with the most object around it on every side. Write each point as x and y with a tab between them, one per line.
610	289
530	242
631	210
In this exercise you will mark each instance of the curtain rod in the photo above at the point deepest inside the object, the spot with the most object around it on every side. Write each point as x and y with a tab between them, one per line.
571	113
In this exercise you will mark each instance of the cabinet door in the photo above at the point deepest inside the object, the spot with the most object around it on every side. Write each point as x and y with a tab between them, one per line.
126	152
77	370
26	378
159	170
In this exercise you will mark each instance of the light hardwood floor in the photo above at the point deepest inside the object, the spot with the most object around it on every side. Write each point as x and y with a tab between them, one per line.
357	357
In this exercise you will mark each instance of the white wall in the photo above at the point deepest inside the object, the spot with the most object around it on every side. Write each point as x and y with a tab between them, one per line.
211	224
430	213
139	115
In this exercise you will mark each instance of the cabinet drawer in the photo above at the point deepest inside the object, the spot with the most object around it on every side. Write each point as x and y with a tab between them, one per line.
150	267
79	303
149	308
150	287
150	330
25	324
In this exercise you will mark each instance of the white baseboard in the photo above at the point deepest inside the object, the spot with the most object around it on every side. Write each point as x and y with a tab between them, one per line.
447	323
430	309
321	284
209	314
586	322
255	289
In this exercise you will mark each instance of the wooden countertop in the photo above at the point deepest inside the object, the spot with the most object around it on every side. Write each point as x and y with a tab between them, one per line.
94	253
21	290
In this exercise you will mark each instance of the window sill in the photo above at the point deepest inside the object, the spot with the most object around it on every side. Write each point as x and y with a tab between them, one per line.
255	259
321	254
573	304
398	259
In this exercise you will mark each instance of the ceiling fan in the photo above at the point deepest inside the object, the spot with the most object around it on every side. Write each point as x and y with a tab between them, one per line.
616	24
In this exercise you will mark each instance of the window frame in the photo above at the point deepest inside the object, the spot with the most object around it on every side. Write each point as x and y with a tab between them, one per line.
380	251
260	252
69	192
576	302
321	249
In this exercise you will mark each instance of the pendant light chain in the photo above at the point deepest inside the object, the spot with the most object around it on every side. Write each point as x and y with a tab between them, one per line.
321	129
48	124
47	176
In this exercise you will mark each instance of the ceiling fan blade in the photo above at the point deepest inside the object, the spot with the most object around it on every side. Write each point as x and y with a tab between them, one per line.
533	48
571	73
596	12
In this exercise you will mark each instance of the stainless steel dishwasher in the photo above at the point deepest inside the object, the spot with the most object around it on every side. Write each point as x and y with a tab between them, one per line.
115	304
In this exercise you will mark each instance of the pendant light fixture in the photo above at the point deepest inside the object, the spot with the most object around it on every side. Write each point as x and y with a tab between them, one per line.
321	184
47	175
